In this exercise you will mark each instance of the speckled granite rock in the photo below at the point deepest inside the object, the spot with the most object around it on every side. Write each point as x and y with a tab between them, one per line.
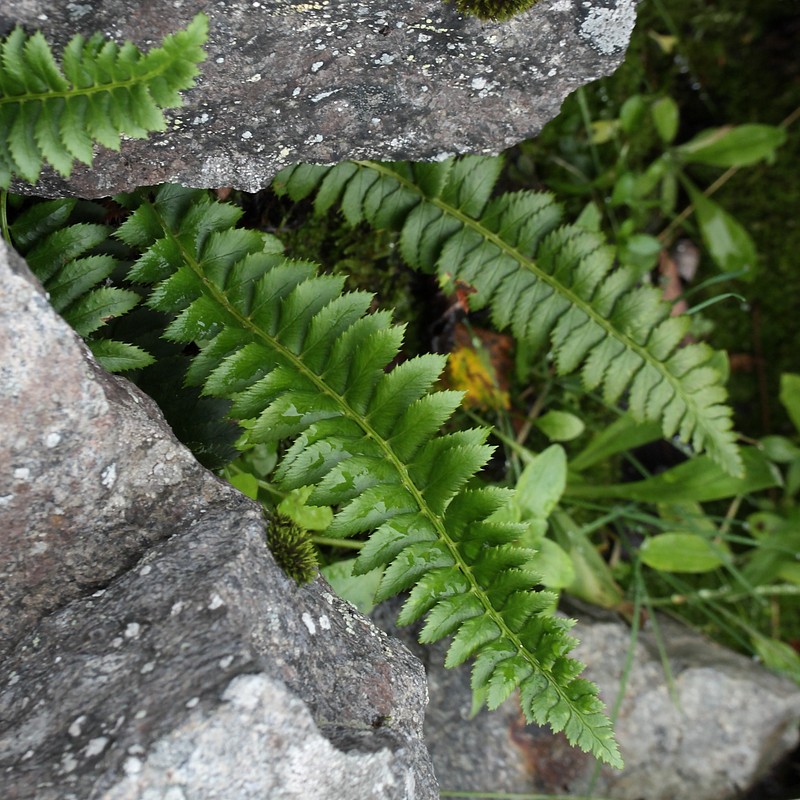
329	80
728	722
151	646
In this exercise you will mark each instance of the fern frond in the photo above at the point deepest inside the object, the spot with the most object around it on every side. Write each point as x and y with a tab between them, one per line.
105	90
307	363
546	281
66	259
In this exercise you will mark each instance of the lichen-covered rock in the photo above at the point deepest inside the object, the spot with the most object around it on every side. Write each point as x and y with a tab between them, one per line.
151	646
726	723
326	81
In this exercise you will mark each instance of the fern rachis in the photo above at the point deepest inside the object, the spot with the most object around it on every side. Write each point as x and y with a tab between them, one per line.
307	362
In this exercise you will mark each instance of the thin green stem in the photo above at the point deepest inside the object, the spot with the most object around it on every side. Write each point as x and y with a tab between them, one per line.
327	541
4	217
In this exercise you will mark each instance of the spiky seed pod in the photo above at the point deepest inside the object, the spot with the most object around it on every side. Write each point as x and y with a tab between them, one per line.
497	10
292	548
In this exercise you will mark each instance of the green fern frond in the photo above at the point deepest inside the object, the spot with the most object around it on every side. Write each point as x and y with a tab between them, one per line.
307	363
547	282
105	90
66	259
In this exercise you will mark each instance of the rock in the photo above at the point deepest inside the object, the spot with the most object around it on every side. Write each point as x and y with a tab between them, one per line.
728	721
332	80
152	648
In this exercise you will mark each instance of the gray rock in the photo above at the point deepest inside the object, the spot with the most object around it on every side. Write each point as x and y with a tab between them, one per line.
726	723
159	651
326	81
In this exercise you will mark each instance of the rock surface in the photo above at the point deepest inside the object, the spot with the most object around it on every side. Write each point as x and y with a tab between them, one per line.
152	648
330	80
728	721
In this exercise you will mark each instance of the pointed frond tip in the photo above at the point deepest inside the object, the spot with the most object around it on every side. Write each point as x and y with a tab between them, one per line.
551	284
51	114
307	363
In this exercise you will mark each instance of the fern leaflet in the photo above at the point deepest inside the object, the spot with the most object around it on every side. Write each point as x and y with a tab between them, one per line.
70	260
104	90
543	280
305	362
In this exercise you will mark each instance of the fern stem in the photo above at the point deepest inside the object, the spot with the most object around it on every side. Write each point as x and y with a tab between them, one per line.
610	331
4	217
327	541
436	520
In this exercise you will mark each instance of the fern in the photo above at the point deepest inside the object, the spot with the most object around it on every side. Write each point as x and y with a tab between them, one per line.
543	280
104	90
68	257
305	362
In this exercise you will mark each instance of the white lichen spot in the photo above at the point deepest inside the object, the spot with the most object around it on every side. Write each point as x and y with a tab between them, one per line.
328	598
215	602
138	715
478	83
324	622
309	623
317	66
200	119
316	139
295	91
28	755
176	608
322	95
386	58
96	746
52	440
117	641
608	30
193	702
220	59
108	477
148	667
132	766
68	763
225	662
132	630
22	474
74	730
247	135
255	78
423	37
5	500
145	570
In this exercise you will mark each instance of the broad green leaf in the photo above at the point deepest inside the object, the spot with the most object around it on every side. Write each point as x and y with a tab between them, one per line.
727	241
737	146
666	117
312	518
560	426
246	483
542	483
681	552
700	479
554	565
790	397
356	589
